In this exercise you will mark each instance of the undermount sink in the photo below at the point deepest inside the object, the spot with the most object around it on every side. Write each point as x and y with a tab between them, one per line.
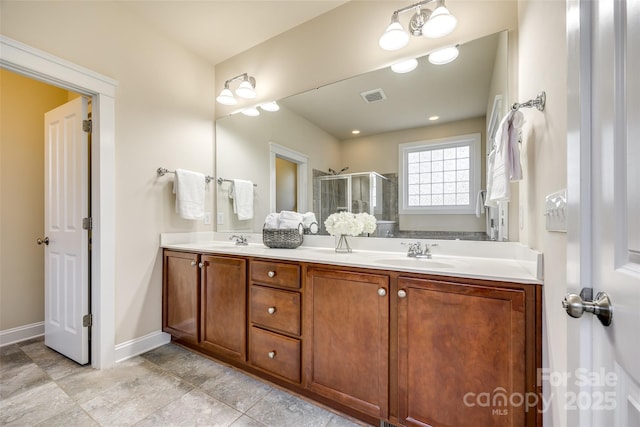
414	262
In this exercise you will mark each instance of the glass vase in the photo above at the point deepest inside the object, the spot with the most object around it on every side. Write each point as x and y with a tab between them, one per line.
342	245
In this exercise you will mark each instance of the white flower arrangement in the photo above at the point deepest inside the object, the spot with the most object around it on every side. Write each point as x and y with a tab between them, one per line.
346	223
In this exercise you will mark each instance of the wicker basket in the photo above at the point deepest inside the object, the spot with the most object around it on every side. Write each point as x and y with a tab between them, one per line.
283	238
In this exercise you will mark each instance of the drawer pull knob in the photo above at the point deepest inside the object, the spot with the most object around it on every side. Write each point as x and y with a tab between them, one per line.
201	264
402	293
382	292
272	354
271	273
271	310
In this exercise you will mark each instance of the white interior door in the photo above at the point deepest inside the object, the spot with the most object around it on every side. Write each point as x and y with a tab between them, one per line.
67	250
608	380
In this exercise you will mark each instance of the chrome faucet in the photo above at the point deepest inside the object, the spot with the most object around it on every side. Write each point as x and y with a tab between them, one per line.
240	240
416	251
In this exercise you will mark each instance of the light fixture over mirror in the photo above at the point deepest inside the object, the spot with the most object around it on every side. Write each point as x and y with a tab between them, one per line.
432	24
444	55
246	90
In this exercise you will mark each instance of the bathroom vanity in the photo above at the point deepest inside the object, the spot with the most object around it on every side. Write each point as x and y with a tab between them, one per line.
449	341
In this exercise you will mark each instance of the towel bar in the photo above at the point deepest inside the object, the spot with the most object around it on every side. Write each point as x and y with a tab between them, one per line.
163	171
221	180
538	102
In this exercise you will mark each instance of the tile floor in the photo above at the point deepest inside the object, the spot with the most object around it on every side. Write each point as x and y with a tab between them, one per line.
168	386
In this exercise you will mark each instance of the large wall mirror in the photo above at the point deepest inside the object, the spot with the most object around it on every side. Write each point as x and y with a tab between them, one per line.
351	171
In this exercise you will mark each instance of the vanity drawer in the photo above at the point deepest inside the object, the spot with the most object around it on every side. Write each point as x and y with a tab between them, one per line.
275	309
275	353
276	273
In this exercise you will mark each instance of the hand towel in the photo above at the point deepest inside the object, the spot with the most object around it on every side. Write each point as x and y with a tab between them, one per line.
271	221
504	162
291	215
480	203
242	194
189	188
308	218
288	223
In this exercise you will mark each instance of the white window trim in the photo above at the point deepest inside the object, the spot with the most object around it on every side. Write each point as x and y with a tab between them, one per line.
473	140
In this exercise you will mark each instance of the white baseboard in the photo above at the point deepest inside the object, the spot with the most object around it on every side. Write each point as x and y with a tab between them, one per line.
129	349
21	333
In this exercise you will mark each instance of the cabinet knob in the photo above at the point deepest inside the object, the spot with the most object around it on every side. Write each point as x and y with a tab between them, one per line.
382	292
271	273
271	310
193	263
272	354
402	293
201	264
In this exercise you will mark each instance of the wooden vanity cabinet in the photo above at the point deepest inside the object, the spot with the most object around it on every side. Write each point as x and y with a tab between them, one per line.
463	358
275	312
181	296
347	338
224	314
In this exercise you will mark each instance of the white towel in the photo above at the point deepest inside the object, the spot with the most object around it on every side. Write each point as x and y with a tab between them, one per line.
242	194
288	223
271	221
291	215
504	161
480	203
189	187
308	218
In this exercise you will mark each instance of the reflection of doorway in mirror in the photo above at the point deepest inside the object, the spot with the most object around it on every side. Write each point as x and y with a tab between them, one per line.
280	153
286	185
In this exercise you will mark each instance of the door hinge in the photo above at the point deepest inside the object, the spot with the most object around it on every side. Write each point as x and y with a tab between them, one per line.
87	126
87	223
87	320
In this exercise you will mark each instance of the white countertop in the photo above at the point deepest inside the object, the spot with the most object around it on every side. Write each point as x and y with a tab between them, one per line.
505	261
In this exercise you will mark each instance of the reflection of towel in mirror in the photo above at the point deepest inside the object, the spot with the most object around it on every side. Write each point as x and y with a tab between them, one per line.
480	203
242	194
308	218
504	161
189	187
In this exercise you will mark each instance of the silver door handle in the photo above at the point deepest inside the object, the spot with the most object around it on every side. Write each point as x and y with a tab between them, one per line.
41	241
601	306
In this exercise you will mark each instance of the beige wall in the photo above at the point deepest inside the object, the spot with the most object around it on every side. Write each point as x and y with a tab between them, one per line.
164	117
243	152
23	104
543	65
379	153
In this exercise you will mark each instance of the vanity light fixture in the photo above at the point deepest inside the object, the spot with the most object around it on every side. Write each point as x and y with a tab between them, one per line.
270	106
432	24
246	89
433	118
355	132
444	55
405	66
251	112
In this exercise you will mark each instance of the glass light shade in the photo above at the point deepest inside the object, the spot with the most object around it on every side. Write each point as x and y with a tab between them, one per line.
270	106
226	97
444	56
405	66
251	111
440	23
245	90
395	37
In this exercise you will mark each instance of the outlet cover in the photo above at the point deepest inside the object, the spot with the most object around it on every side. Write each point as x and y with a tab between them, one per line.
555	211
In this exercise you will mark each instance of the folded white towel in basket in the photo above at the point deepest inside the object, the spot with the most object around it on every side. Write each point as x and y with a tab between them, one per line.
189	189
271	221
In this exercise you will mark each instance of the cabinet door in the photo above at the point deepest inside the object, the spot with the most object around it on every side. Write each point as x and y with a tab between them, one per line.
224	304
180	295
461	355
348	350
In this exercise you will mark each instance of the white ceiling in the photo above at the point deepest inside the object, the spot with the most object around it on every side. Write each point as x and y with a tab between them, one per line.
219	29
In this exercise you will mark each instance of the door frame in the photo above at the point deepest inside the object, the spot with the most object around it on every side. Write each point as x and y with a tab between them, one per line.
39	65
302	160
579	187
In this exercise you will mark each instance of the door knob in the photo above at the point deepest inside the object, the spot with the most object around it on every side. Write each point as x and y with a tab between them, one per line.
601	306
41	241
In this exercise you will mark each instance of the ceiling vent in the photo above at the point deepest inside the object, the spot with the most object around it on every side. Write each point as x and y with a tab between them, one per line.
373	96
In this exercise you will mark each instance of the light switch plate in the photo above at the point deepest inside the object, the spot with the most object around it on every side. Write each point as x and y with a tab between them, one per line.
556	211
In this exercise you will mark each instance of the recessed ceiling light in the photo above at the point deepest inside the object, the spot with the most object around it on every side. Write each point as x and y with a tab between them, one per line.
433	118
355	131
